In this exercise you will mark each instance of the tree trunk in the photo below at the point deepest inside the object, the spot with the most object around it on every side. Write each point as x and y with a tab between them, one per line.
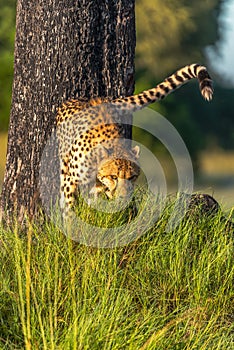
63	49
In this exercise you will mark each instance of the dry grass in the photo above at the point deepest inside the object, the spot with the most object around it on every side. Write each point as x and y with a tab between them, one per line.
3	148
217	162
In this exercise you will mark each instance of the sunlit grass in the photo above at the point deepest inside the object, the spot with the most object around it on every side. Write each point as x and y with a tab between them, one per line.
166	290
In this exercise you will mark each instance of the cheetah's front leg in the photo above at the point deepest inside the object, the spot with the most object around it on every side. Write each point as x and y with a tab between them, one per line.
68	188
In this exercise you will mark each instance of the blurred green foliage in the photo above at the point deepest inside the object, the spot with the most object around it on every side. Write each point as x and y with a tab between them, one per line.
7	34
170	34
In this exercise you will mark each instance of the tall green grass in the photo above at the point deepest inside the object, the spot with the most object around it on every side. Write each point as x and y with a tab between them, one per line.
166	290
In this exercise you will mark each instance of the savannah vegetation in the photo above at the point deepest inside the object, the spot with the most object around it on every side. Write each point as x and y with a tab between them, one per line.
165	290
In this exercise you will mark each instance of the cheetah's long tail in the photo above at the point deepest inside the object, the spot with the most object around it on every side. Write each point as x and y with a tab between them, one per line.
169	85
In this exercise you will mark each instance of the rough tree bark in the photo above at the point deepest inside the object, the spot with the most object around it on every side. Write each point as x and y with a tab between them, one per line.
82	48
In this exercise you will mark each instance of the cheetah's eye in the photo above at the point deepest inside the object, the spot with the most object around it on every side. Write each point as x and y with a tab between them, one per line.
113	177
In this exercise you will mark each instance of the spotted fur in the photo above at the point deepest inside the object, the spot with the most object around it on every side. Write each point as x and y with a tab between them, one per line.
93	152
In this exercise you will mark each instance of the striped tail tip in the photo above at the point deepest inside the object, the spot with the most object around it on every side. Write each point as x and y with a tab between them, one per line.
205	82
207	93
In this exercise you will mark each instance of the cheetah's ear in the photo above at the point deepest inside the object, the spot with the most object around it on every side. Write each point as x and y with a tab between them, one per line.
136	151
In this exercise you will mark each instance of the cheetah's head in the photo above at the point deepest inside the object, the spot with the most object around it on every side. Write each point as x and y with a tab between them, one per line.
116	176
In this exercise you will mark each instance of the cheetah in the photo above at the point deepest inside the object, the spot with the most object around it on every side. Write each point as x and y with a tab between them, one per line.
94	154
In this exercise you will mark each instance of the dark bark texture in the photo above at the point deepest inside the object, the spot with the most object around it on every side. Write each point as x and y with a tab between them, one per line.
63	49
